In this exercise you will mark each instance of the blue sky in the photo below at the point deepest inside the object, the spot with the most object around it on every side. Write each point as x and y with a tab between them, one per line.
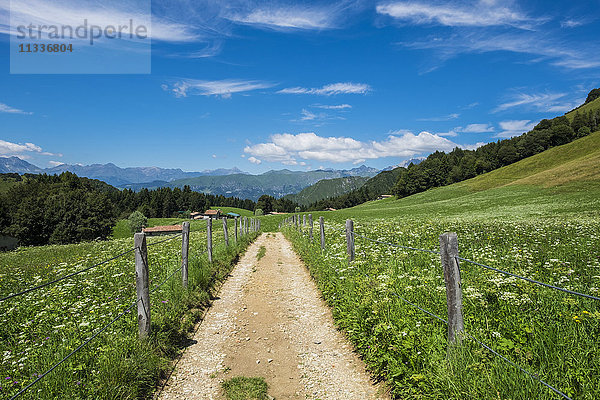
301	85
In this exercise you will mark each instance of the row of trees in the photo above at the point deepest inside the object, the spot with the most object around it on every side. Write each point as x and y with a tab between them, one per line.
65	208
440	169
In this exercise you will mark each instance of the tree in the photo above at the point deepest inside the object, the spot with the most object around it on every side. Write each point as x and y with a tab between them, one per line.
583	131
258	212
561	134
266	203
137	221
592	95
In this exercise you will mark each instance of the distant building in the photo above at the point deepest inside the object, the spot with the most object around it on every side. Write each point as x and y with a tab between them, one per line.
276	213
330	209
385	196
162	230
195	215
213	213
232	215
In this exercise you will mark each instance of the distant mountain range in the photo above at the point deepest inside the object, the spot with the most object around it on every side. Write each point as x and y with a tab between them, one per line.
273	183
227	182
110	173
406	163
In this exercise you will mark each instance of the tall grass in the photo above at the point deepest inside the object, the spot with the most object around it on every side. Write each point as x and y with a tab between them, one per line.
40	328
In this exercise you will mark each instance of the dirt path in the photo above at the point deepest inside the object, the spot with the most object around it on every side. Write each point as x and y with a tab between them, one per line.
270	321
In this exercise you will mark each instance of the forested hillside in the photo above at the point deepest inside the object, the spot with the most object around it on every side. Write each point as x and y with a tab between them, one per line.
41	209
441	169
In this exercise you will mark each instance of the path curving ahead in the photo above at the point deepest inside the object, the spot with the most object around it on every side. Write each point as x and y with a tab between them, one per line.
270	321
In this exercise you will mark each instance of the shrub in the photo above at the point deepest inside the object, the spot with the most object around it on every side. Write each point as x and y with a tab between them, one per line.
137	221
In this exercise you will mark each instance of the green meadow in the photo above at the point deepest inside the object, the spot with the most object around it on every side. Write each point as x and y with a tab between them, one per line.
41	327
538	218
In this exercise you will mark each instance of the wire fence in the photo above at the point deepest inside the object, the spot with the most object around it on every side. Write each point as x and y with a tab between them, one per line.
535	377
146	263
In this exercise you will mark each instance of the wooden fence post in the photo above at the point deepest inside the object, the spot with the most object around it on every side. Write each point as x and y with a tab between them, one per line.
142	284
296	222
235	223
322	230
449	252
350	239
185	247
304	220
225	233
209	246
241	226
310	228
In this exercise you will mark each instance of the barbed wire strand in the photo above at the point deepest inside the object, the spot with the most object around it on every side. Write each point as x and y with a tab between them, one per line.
530	280
66	276
40	377
395	245
534	377
171	237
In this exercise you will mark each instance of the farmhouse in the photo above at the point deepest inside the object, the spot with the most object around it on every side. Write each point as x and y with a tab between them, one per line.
195	215
213	213
162	230
385	196
330	209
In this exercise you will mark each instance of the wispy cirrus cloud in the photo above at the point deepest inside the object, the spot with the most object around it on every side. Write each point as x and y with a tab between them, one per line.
281	17
331	89
220	88
112	13
476	128
476	14
448	117
544	102
540	46
333	107
11	110
289	148
514	128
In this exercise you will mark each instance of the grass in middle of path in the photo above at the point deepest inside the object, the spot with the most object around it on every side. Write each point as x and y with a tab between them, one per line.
243	388
261	253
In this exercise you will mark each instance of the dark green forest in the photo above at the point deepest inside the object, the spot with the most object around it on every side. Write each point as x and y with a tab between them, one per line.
65	208
441	169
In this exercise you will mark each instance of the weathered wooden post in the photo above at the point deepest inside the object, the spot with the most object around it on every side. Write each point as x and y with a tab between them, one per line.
310	227
296	222
185	247
304	220
322	230
225	233
247	227
350	239
235	224
209	246
142	284
449	254
241	226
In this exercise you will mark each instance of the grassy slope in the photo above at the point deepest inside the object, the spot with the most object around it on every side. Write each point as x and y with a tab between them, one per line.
327	188
562	180
592	105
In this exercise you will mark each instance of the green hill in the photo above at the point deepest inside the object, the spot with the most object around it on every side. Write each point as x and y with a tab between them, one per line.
562	180
327	188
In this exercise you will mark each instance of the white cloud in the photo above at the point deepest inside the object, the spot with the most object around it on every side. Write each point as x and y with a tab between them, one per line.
254	160
73	13
55	163
214	156
21	149
331	89
450	14
448	117
515	128
542	46
297	17
476	128
332	107
288	148
11	110
572	23
307	115
544	102
223	88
